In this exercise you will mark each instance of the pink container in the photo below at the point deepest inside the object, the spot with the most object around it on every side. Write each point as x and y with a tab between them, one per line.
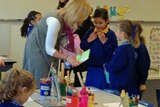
83	101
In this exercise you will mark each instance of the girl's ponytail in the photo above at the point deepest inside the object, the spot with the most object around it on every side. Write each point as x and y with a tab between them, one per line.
24	28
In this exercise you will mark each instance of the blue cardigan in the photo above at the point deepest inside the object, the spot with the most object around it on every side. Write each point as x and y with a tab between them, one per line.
122	67
100	53
142	64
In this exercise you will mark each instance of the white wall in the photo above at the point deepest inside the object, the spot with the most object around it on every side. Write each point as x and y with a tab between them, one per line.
17	43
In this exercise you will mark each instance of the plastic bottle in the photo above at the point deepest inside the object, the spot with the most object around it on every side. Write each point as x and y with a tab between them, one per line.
83	98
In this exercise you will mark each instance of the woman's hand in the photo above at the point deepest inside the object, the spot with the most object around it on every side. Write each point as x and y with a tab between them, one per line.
143	88
73	62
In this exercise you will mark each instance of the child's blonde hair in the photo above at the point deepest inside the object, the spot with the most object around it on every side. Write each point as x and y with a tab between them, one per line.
138	37
130	29
74	11
13	81
126	26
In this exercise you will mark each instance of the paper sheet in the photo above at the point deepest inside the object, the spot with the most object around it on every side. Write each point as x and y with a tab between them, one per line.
84	56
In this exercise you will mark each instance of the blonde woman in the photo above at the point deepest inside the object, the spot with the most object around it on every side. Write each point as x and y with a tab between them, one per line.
54	30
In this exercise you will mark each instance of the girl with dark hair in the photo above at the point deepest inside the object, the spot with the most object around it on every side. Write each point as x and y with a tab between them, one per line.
102	42
32	18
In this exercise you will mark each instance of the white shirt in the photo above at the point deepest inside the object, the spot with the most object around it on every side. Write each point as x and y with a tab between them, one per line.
52	35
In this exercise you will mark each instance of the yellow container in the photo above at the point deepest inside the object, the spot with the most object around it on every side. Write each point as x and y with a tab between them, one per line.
91	101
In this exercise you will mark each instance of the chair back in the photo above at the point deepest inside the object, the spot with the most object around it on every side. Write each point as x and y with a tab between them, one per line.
158	96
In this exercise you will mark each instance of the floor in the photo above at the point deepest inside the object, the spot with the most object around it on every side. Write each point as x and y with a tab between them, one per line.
150	94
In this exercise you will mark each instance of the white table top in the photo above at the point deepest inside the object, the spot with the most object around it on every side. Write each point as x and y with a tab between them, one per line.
102	99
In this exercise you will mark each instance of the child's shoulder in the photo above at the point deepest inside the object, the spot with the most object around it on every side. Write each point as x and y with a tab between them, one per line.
9	104
111	33
125	47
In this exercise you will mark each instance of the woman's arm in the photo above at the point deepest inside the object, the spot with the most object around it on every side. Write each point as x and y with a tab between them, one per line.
51	39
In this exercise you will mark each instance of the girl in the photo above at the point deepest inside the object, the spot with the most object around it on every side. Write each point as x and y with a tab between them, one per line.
102	42
121	67
16	88
142	61
32	18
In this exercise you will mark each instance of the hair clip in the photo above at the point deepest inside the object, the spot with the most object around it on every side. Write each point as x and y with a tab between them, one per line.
134	31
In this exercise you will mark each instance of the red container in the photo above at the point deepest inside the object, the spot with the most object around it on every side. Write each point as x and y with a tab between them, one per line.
72	101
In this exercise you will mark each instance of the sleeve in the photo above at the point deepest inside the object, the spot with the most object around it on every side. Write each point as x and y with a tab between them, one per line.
52	34
143	63
111	44
84	45
117	63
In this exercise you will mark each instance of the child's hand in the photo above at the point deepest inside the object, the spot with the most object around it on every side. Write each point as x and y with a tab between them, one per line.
2	62
102	37
143	88
92	37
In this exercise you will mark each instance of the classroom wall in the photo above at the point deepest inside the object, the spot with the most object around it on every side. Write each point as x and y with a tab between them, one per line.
17	43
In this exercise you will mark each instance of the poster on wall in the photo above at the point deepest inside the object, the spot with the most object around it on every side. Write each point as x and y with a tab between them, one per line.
116	12
155	49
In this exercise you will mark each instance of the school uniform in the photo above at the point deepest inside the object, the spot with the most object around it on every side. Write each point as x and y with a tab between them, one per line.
142	67
122	67
99	54
12	103
30	27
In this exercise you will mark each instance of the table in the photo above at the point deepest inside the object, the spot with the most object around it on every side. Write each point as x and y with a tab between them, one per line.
8	64
101	98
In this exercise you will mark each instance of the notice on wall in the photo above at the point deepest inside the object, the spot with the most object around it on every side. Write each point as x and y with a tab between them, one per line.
155	49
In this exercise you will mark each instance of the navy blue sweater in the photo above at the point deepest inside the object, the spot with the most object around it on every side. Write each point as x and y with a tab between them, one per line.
100	53
9	104
142	64
122	67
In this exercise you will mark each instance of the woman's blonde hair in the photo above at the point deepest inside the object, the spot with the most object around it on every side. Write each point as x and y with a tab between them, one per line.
75	11
13	81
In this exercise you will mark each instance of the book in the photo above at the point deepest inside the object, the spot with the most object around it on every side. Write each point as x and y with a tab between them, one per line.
84	56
